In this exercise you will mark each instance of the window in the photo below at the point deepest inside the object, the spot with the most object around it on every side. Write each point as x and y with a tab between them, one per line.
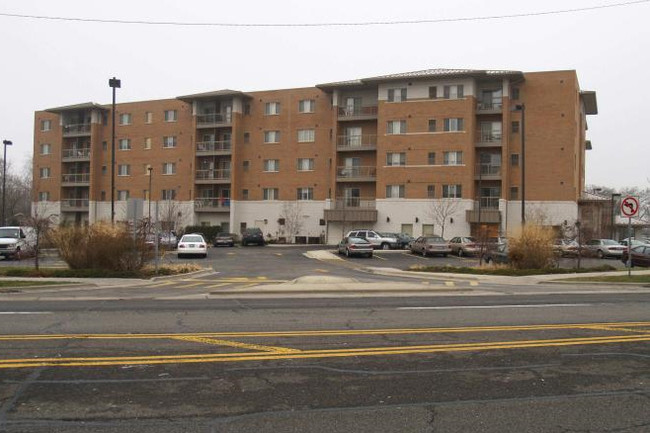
145	168
431	191
306	106
169	168
271	136
123	170
124	144
394	191
104	170
514	159
169	141
272	108
393	159
514	193
306	136
454	124
147	143
125	119
246	165
454	92
397	95
102	196
148	117
44	196
431	158
104	146
452	158
452	191
305	164
244	194
515	93
305	194
433	92
123	194
46	125
396	127
432	125
247	109
168	194
46	149
171	115
271	193
271	165
44	172
247	137
515	126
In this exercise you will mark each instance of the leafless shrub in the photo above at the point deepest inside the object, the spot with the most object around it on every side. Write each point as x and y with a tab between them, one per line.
532	248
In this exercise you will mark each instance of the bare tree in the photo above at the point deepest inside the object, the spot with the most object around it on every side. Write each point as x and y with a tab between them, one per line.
441	210
171	215
292	214
18	190
41	220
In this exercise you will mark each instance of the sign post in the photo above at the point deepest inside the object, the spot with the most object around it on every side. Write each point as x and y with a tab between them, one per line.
629	208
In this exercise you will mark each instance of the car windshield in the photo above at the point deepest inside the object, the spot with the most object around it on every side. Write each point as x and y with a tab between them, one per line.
469	239
9	233
610	242
194	238
357	241
435	240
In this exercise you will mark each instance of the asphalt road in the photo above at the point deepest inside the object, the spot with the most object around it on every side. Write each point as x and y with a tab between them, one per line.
449	364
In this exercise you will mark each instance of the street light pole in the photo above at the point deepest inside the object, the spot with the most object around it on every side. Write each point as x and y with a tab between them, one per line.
522	108
480	185
114	83
150	178
613	218
4	178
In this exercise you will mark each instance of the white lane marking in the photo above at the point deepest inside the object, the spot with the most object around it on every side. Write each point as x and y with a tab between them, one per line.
24	312
488	307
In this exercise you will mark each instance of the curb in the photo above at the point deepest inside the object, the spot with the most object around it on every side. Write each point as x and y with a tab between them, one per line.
200	273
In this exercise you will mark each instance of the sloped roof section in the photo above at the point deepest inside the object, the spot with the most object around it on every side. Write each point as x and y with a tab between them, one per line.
84	106
589	99
213	95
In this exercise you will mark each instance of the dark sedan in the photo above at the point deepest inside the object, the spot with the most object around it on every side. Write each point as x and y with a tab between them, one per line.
640	256
498	255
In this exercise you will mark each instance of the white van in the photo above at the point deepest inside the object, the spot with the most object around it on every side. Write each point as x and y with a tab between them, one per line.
17	242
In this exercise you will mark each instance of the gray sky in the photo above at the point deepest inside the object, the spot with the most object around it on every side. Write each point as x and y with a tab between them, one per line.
47	64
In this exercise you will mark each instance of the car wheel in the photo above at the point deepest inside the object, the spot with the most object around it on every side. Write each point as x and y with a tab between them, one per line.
347	252
369	255
385	246
600	254
424	253
460	252
487	260
444	255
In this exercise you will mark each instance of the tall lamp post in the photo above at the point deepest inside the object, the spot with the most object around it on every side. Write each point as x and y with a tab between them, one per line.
150	179
4	178
613	215
114	83
522	108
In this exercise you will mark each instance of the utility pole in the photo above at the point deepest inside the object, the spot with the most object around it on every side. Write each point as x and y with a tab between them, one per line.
114	83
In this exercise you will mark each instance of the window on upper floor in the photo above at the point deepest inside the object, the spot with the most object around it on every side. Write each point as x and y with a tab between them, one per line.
514	126
271	136
46	149
514	193
454	124
46	125
306	135
169	168
396	127
247	137
123	194
397	95
305	193
272	108
246	165
125	119
168	194
395	158
271	165
44	196
514	159
432	125
431	191
124	144
515	93
452	191
169	141
148	117
453	158
123	170
44	172
171	115
244	194
394	191
454	92
433	92
147	143
306	106
305	164
270	193
431	158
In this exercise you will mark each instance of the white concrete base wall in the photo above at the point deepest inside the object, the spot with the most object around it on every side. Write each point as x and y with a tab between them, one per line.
548	213
44	209
183	211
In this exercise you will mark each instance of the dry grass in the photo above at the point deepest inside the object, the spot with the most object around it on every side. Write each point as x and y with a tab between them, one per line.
532	248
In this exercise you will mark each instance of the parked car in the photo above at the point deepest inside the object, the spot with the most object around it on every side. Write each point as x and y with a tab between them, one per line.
430	245
252	235
566	247
403	240
168	240
602	248
192	245
375	238
225	239
464	246
16	242
634	242
351	246
494	242
497	255
640	256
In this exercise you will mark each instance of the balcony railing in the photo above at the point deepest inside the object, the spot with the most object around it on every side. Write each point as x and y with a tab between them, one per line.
488	170
213	146
212	204
352	209
75	203
489	138
495	105
358	112
355	203
356	142
76	154
76	129
213	118
75	178
488	202
356	173
213	174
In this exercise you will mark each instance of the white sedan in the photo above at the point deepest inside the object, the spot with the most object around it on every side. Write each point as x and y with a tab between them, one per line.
192	245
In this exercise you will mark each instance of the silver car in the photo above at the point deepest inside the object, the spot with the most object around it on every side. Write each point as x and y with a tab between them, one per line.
430	245
351	246
602	248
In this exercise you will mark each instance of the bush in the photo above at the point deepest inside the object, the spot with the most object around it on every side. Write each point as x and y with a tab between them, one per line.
102	246
532	248
208	232
503	270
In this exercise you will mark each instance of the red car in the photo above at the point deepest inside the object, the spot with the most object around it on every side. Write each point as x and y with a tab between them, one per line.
640	256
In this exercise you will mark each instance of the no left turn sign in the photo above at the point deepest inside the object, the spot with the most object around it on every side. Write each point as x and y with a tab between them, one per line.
629	206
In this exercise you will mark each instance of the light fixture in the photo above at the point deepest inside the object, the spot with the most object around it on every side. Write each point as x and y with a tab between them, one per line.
387	219
417	220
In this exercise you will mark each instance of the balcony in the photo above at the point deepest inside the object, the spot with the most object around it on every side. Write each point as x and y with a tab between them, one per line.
488	171
76	130
488	139
75	179
212	204
357	113
352	209
75	205
213	120
493	106
207	148
490	213
354	143
76	154
213	176
356	174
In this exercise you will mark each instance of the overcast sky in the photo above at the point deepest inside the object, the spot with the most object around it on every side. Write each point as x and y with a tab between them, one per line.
48	64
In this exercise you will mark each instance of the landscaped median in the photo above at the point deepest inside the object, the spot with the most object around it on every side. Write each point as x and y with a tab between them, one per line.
144	273
505	271
633	279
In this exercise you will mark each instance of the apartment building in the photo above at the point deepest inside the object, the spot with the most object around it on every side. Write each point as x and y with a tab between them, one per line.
418	152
